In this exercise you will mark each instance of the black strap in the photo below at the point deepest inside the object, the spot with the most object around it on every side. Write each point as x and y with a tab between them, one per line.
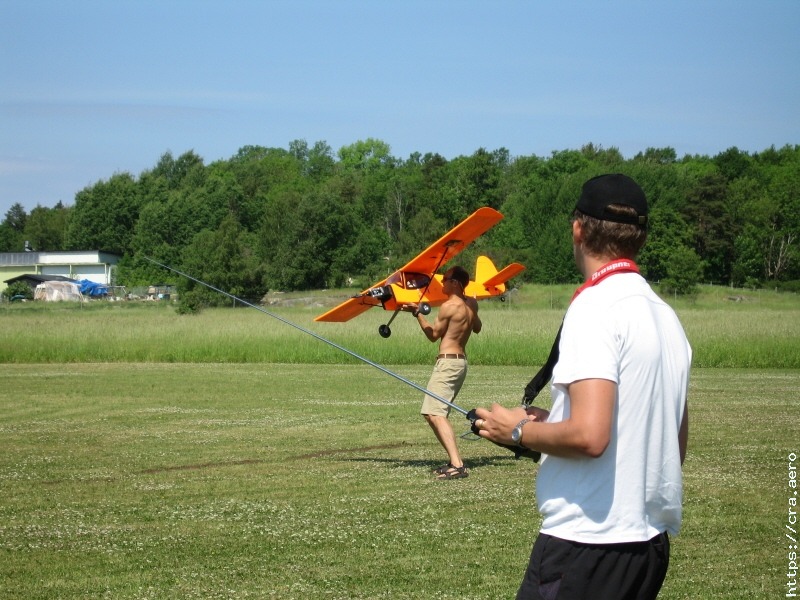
545	373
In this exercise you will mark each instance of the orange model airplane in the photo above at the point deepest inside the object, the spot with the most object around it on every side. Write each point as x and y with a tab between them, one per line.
417	283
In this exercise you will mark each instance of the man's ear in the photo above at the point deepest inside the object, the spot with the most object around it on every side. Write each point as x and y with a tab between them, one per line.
577	232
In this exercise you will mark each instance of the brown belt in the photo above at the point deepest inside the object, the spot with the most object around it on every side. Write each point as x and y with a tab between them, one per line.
462	356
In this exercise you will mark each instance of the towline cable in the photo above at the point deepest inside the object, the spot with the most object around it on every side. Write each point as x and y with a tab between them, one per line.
470	415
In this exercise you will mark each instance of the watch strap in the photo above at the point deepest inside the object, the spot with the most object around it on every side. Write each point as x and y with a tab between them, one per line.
518	431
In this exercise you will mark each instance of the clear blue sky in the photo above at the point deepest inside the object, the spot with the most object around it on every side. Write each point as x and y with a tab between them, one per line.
89	88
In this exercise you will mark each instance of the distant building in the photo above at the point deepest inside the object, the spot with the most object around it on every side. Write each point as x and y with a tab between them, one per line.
92	265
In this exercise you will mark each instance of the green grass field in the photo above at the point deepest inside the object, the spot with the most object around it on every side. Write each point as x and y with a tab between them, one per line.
226	455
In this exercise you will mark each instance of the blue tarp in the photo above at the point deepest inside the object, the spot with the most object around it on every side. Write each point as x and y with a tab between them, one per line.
92	288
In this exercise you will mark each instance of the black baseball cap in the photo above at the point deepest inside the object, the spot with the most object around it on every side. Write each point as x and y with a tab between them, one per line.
601	191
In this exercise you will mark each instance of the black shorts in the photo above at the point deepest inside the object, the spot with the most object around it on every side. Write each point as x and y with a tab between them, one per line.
564	570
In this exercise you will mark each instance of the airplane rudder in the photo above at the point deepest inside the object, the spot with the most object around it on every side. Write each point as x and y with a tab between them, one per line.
484	269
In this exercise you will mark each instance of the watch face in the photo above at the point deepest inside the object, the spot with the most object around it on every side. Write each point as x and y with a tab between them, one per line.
516	434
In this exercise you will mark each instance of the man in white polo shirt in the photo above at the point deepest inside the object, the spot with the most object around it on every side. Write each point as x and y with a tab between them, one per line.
610	483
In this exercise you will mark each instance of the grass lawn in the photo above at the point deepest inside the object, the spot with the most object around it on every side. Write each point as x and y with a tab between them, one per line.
147	455
284	481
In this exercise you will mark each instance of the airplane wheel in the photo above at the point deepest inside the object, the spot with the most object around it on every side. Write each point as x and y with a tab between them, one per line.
384	331
425	308
503	298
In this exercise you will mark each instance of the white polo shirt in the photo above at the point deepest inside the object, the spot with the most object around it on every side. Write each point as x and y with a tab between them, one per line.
620	330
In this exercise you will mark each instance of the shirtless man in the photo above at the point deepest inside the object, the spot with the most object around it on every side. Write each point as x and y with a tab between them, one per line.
456	321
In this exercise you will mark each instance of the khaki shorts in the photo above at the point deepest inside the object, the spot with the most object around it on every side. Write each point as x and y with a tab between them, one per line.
446	380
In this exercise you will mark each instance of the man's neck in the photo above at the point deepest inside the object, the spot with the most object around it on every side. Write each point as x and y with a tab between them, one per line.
590	265
457	293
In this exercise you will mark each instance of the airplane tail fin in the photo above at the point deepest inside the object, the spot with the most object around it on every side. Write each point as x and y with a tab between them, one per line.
489	281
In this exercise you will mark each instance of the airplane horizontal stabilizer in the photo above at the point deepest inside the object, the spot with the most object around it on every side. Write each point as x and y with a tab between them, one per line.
509	272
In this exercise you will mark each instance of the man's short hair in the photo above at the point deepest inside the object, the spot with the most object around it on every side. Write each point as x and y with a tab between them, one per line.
459	274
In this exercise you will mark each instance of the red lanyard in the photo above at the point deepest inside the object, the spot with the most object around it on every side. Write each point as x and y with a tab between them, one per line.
622	265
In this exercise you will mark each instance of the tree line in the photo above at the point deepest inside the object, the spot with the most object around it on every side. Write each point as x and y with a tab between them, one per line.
307	217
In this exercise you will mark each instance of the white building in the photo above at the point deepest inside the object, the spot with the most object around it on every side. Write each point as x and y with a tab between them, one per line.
90	264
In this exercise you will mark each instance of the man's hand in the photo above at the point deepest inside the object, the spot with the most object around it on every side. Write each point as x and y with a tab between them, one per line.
586	433
537	414
498	423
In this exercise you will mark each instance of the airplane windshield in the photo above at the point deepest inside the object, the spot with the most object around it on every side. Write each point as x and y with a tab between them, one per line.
395	278
409	281
416	281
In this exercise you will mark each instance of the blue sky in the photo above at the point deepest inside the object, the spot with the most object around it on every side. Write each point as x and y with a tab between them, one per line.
91	88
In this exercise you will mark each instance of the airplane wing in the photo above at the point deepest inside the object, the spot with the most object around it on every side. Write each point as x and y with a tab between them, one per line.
348	309
352	307
454	241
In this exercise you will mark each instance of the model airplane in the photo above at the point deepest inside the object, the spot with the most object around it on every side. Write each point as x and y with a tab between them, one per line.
418	284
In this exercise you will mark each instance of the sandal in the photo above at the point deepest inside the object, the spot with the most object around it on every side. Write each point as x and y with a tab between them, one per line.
443	469
453	473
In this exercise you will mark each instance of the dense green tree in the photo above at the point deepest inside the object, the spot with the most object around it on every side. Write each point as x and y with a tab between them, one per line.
257	171
667	233
713	229
226	259
10	240
748	265
320	163
186	170
733	163
45	227
317	162
551	254
436	192
782	253
421	230
609	159
159	234
477	181
281	228
312	218
684	270
405	191
369	154
16	217
564	163
307	241
104	216
12	229
657	156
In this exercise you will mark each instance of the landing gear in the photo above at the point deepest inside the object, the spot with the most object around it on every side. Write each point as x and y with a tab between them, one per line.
385	331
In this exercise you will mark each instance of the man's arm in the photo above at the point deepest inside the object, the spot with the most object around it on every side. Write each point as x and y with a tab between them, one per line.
477	324
440	324
585	434
683	433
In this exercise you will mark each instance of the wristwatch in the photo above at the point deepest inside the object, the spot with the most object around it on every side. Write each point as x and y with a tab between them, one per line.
516	433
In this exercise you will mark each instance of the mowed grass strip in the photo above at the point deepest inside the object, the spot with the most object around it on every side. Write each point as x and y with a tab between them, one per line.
197	480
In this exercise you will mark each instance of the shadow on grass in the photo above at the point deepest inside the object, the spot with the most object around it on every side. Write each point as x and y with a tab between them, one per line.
484	461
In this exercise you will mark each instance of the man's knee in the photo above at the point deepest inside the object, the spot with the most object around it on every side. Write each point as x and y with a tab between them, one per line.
431	419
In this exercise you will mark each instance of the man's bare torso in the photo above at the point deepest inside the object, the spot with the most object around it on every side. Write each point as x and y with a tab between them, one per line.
461	315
